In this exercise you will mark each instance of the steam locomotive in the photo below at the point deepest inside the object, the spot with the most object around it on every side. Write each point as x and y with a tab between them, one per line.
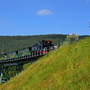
40	48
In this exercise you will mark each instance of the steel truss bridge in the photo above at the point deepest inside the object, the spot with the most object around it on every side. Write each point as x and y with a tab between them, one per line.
16	65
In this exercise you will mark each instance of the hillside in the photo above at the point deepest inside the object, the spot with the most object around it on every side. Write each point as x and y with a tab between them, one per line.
13	43
63	69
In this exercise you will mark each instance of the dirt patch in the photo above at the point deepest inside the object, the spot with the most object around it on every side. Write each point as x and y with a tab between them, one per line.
6	88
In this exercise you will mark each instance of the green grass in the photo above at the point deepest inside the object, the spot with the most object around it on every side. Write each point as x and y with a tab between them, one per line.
65	43
63	69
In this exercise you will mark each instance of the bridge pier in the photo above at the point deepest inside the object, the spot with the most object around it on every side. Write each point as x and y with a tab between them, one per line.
5	72
19	69
17	66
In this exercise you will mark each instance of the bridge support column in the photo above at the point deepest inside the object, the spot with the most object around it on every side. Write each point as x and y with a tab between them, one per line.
19	69
4	74
1	74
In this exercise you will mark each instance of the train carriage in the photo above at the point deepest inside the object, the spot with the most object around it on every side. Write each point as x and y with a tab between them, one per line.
12	55
24	52
2	56
40	48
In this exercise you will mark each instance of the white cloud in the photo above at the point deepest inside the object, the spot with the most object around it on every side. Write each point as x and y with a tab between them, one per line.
44	12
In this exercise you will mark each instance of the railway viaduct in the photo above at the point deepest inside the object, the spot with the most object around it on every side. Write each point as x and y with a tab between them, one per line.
18	63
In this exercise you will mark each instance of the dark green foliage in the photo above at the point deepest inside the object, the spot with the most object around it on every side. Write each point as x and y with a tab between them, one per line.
25	66
13	43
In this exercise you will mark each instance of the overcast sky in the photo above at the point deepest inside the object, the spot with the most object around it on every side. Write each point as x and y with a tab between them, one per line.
37	17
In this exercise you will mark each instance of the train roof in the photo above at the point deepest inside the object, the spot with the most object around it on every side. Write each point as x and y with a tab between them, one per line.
42	42
47	40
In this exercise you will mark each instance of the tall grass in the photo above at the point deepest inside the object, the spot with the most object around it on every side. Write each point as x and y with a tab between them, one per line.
63	69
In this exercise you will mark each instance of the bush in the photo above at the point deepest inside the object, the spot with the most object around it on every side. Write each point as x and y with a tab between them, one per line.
25	66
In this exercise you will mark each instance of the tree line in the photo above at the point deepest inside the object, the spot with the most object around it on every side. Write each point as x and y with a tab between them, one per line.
13	43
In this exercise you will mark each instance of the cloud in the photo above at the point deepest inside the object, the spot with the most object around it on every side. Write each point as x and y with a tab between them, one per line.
44	12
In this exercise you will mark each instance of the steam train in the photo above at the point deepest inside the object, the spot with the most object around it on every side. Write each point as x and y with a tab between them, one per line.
40	48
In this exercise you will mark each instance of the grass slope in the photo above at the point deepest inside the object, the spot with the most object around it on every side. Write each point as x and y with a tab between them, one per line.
63	69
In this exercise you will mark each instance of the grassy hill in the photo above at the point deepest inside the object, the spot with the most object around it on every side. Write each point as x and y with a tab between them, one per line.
63	69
